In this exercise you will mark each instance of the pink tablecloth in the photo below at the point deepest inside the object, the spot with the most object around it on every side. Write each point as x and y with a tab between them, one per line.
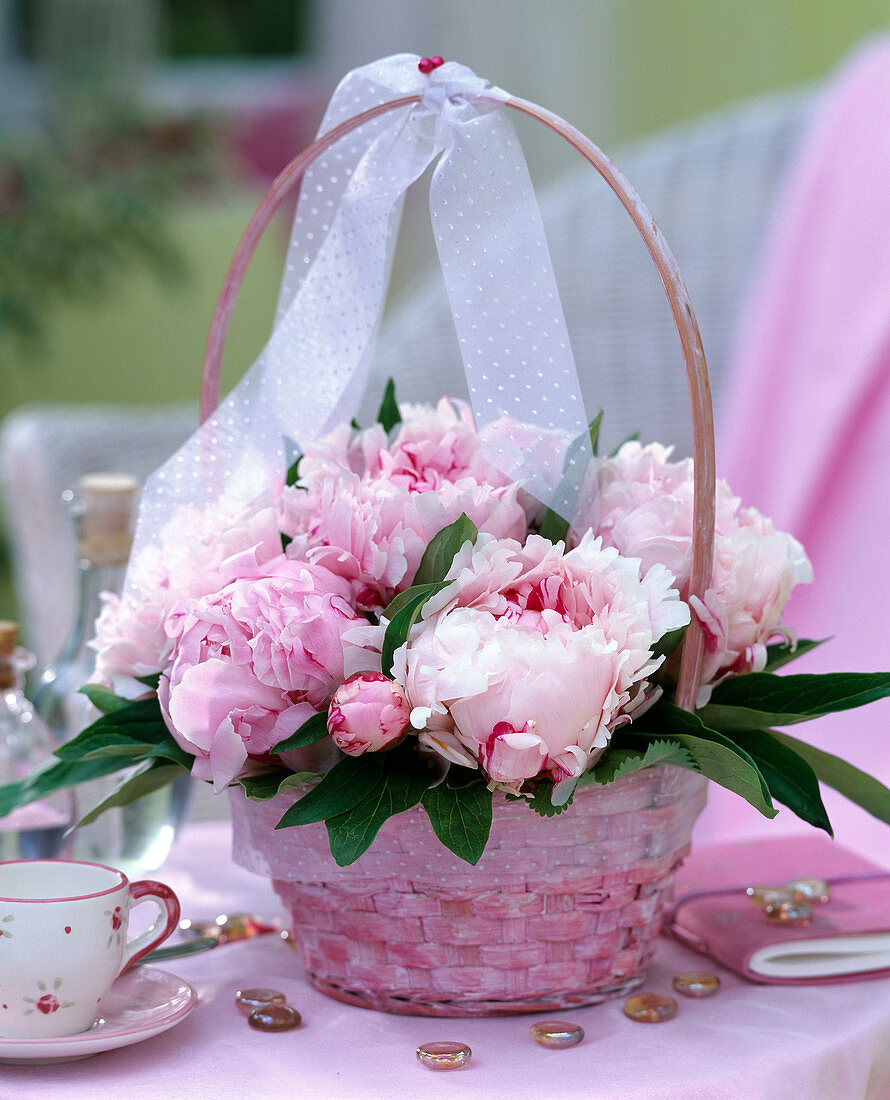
752	1041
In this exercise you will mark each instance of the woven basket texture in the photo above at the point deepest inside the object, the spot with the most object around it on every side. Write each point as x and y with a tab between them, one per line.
559	912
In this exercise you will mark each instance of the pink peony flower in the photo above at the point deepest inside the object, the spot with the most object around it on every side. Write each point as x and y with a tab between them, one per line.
524	662
250	663
644	509
369	713
197	553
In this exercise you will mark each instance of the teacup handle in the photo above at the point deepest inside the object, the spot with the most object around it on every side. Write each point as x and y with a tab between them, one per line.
168	918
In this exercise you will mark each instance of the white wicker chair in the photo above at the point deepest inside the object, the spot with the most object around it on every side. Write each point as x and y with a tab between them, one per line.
711	186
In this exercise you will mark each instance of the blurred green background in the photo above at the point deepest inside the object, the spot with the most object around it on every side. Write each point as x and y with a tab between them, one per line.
248	82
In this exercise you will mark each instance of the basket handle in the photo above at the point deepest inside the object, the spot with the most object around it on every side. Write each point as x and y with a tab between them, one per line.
704	485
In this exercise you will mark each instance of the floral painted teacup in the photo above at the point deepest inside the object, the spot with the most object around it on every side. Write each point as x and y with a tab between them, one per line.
63	941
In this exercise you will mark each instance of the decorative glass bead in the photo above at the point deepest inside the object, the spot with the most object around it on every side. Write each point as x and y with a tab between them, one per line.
696	983
249	999
556	1034
274	1018
811	890
766	896
650	1008
443	1055
789	912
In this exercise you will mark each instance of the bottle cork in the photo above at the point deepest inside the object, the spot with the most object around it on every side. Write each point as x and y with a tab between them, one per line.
106	517
9	637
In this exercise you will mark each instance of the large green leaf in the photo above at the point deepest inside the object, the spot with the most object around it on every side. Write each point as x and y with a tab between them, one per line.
782	653
460	816
715	755
262	788
342	788
790	778
312	730
139	721
151	776
854	784
102	699
389	414
352	833
442	547
406	616
763	699
56	776
619	762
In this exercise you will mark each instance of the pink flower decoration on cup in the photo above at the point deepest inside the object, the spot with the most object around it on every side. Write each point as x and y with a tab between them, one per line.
369	713
48	1004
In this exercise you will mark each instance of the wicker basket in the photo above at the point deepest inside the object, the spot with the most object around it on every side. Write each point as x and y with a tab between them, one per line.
558	913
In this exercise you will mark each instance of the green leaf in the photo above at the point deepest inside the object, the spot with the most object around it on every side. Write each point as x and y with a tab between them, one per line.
56	776
343	787
151	681
389	414
782	653
849	781
667	643
293	471
398	630
554	527
312	730
439	554
460	816
352	833
625	761
151	777
632	438
139	722
715	755
102	699
762	699
261	788
789	777
540	799
403	598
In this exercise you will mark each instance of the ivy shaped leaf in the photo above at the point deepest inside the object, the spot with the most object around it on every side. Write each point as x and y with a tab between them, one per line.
620	762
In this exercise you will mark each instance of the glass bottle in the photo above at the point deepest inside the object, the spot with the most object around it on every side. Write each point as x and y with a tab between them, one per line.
35	831
137	837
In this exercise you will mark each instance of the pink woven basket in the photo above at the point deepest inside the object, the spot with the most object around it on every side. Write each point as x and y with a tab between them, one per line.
559	912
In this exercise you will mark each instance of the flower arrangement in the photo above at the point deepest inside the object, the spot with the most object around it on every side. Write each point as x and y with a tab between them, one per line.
399	623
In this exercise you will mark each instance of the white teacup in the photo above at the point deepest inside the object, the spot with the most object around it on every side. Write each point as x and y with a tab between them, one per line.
63	941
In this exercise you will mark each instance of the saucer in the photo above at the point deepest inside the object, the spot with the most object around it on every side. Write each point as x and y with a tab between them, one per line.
143	1002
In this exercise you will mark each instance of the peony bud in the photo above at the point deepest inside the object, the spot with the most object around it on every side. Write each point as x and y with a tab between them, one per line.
369	713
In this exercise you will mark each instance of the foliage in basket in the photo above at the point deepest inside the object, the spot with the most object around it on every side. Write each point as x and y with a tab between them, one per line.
400	624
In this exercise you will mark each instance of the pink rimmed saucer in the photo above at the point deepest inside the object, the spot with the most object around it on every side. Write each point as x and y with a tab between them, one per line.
143	1002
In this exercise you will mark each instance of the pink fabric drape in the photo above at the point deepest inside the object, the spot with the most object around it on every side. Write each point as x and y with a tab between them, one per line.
806	435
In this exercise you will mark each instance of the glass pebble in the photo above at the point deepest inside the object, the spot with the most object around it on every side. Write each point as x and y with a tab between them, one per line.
789	912
650	1008
273	1017
766	896
249	999
696	983
810	890
556	1034
443	1055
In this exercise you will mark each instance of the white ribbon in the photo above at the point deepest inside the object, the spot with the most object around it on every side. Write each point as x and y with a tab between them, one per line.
521	375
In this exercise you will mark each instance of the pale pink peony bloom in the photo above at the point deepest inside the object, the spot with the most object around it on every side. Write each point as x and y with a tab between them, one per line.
373	533
644	509
526	660
196	553
369	713
249	664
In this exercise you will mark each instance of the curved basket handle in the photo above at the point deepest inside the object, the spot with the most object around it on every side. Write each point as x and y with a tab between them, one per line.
675	289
